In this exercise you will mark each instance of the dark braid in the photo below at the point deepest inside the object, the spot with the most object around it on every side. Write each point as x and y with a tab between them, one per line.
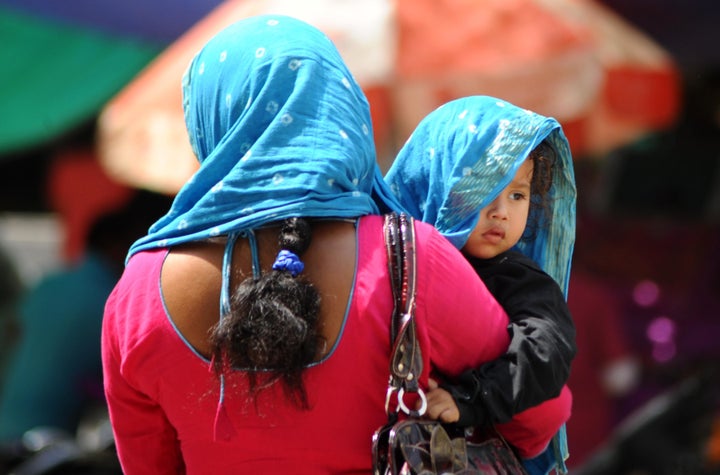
271	329
543	157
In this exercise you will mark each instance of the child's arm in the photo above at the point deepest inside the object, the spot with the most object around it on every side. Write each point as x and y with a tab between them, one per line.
529	431
537	363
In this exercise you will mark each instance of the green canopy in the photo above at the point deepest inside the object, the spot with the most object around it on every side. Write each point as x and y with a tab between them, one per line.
56	76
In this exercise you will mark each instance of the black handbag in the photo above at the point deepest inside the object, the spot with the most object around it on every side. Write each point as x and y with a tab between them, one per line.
407	443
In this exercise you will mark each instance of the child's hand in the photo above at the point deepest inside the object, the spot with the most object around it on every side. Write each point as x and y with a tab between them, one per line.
440	404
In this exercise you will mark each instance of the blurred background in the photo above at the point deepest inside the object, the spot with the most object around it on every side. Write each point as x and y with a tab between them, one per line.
91	125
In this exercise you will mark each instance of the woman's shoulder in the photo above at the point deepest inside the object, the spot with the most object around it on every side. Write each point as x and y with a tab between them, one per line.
136	298
143	261
423	231
433	251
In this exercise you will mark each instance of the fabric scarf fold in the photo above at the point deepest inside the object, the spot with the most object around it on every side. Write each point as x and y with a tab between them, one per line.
280	128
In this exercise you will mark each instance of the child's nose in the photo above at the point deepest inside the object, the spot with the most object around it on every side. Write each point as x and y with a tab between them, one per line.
498	210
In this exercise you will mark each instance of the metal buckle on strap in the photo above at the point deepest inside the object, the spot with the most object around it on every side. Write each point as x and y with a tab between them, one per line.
411	412
402	406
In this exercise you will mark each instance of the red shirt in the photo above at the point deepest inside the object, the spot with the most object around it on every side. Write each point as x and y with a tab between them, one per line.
164	397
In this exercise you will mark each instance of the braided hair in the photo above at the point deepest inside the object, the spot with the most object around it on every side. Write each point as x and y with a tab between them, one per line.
271	329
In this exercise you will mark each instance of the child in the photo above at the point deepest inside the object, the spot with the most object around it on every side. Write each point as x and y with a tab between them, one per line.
497	181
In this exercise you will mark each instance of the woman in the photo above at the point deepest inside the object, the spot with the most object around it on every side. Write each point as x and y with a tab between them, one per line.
250	330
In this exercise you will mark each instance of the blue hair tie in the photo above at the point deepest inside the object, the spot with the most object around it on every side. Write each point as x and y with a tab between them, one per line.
289	261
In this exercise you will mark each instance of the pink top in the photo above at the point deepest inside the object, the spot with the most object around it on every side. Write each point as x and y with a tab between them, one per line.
163	396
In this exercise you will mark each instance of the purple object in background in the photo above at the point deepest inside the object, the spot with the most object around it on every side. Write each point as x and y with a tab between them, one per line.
160	21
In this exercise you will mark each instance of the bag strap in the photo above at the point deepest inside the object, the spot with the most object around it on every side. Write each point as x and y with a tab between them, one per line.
405	355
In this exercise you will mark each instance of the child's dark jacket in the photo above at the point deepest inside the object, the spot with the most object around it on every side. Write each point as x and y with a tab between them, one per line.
542	345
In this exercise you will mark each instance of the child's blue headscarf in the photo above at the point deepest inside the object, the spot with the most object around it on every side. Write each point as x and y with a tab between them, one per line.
280	127
464	153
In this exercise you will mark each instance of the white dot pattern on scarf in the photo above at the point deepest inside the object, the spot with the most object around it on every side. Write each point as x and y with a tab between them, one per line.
286	119
244	99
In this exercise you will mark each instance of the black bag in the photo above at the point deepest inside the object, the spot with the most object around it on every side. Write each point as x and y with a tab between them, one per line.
407	443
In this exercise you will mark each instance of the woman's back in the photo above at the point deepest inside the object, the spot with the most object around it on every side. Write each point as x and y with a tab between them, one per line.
165	359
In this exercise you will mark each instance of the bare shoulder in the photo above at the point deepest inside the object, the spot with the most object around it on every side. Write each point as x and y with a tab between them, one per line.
191	278
190	282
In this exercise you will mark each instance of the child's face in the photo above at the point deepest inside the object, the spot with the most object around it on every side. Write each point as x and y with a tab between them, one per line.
503	221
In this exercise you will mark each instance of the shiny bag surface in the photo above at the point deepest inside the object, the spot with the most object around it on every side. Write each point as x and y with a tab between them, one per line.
418	446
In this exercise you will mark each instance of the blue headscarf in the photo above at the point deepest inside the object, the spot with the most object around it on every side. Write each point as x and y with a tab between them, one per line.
464	153
280	128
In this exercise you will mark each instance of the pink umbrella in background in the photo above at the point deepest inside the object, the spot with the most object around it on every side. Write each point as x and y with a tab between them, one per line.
607	83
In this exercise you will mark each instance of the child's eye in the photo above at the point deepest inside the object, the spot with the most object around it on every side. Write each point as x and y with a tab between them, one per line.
517	196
